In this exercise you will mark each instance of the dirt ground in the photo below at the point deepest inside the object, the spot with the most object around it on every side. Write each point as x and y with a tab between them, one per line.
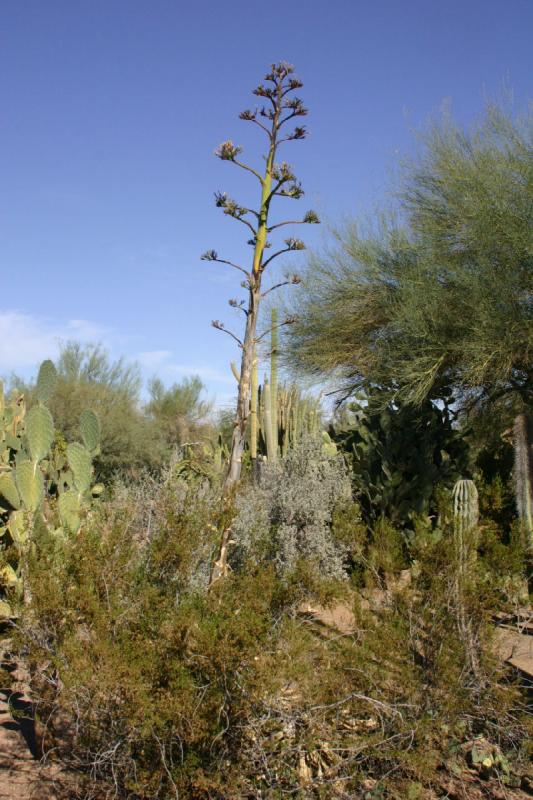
24	775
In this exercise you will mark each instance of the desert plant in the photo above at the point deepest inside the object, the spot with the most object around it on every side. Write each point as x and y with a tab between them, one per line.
274	402
280	414
32	470
298	415
87	377
277	180
400	455
254	421
465	534
465	522
179	413
442	295
175	690
288	516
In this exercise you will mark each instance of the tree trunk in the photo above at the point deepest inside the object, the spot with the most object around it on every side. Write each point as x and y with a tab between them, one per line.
523	476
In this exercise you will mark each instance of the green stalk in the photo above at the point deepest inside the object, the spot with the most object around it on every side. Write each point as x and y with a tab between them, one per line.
253	411
271	449
274	380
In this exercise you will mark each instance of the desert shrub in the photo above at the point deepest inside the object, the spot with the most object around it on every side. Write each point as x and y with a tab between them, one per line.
386	552
351	532
153	687
288	515
174	521
230	694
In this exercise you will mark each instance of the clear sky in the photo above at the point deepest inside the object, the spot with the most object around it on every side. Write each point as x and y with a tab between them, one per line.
110	113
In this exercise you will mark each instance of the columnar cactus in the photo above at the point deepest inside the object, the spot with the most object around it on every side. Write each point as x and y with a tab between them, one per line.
267	425
280	415
465	521
465	529
297	416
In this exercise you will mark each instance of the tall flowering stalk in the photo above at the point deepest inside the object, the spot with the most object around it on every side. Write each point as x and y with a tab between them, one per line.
280	107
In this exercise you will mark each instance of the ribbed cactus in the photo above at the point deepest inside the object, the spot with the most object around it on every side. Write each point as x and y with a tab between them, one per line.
465	530
279	414
297	416
523	475
465	521
266	422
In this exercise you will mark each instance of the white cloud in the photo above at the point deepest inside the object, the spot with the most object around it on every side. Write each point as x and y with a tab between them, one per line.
153	358
161	362
84	330
26	340
206	373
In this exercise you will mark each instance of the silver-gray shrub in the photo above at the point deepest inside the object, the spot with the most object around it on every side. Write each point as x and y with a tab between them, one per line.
288	516
164	507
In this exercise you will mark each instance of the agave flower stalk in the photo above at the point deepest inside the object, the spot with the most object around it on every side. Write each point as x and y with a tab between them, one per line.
280	107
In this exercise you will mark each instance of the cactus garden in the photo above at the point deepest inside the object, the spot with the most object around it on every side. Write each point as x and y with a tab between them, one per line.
304	568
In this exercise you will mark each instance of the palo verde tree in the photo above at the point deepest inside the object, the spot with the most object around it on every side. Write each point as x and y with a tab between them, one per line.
277	180
442	302
446	297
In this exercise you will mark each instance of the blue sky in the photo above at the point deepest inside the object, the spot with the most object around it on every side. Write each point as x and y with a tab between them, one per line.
111	110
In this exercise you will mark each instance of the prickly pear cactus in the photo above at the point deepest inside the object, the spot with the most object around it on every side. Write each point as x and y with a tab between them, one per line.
35	468
76	489
25	440
329	447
